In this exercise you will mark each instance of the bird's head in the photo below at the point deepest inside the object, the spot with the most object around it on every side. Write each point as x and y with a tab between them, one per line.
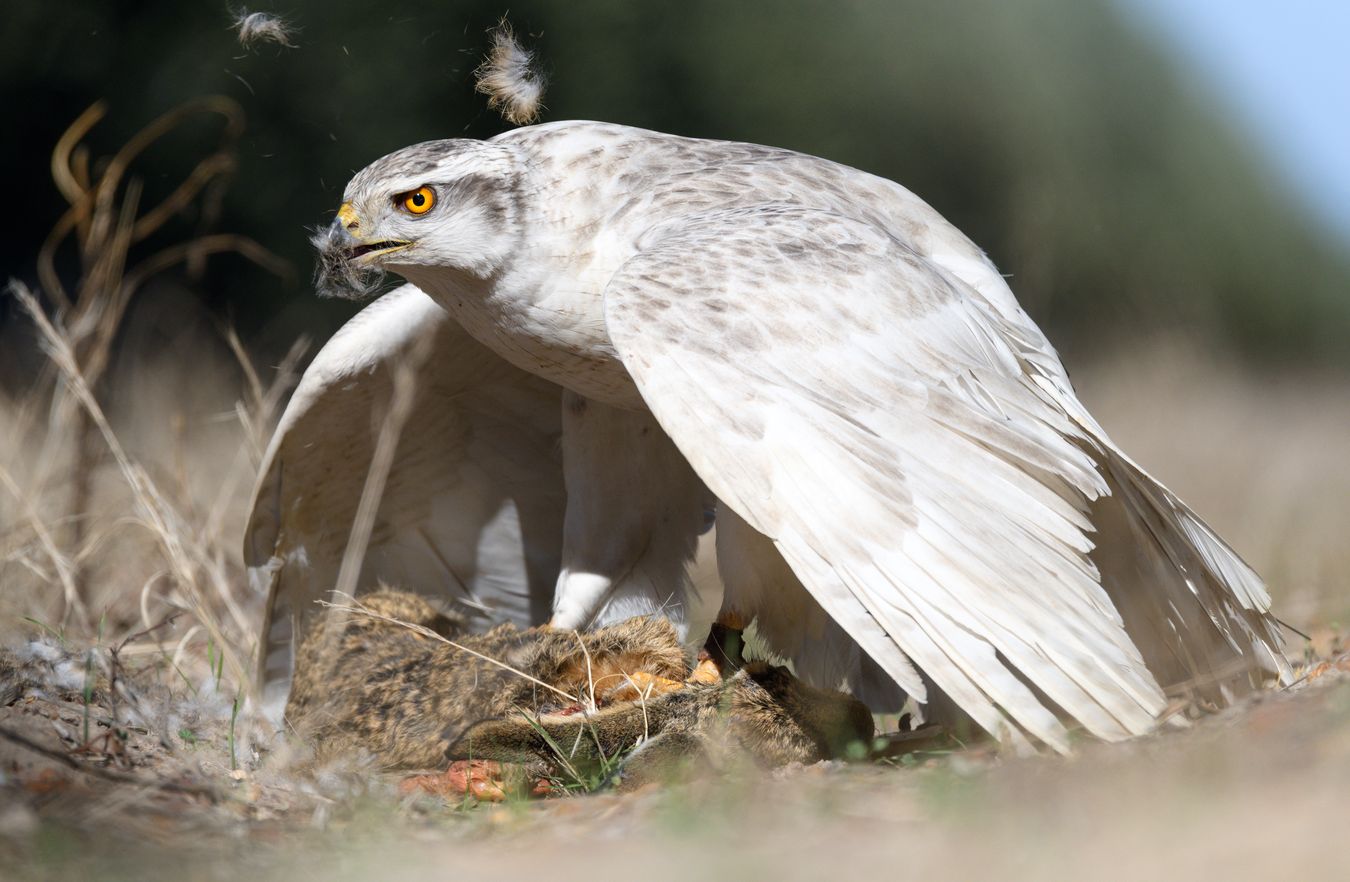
447	205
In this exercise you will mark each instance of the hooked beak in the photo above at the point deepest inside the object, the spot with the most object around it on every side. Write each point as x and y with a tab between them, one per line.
348	227
349	264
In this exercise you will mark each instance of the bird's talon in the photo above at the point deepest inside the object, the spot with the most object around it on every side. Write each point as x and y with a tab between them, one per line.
642	685
706	672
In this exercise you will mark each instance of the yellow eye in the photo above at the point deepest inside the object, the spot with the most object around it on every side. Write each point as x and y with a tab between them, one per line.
419	201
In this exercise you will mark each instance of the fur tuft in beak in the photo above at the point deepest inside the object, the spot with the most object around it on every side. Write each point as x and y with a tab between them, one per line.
338	272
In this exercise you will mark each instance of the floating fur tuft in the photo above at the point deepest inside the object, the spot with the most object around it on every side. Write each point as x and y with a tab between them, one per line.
254	28
510	79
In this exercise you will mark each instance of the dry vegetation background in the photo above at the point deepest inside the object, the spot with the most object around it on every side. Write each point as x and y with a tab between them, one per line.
132	420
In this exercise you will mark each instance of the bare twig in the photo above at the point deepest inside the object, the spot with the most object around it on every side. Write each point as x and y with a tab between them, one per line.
115	680
212	793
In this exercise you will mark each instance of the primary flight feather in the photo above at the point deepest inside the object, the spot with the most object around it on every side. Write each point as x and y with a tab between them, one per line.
909	498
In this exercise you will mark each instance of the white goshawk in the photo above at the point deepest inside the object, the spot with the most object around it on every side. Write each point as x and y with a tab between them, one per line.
907	491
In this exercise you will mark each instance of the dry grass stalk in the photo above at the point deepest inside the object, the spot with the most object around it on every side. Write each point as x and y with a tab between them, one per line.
64	571
363	523
256	416
391	430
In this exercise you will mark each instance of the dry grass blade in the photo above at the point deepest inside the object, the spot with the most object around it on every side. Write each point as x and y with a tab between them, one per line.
92	203
121	293
256	419
65	572
590	674
253	383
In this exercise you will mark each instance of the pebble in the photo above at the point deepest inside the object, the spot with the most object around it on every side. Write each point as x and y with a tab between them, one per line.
18	821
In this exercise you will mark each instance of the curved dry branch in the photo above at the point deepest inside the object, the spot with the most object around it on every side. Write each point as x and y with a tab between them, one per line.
210	168
110	316
63	173
217	243
205	170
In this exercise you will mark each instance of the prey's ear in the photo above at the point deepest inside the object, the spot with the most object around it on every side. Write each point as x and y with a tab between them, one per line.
584	742
514	740
559	745
580	741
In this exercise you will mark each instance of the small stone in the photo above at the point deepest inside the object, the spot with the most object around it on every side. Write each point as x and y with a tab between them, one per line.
18	821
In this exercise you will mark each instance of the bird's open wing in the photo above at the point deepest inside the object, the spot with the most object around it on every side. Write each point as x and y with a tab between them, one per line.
472	509
901	442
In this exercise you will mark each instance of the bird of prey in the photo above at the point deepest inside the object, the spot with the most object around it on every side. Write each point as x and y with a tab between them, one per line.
909	499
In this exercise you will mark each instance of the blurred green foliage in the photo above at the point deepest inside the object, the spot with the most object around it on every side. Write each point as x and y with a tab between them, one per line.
1051	131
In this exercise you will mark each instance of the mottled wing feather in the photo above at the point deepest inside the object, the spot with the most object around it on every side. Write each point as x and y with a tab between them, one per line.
473	506
886	425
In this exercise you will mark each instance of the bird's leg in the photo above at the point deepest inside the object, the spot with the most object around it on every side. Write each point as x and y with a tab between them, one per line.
578	597
721	655
635	510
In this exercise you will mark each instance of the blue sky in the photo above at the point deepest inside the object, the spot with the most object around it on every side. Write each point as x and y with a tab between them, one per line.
1283	68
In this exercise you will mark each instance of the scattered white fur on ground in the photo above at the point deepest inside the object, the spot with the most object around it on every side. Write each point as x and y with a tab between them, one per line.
510	78
41	650
262	27
60	667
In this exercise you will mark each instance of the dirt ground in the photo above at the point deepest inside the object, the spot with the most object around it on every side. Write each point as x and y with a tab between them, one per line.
1255	792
